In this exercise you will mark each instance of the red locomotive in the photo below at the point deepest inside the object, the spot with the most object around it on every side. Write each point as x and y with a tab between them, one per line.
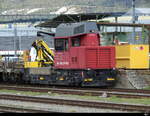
79	58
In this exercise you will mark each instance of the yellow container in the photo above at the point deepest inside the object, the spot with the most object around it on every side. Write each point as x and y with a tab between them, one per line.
132	56
32	64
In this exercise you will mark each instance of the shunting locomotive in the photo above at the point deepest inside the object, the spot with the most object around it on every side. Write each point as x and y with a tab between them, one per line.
77	60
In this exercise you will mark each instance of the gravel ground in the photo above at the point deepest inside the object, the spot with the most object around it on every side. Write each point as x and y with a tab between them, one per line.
53	107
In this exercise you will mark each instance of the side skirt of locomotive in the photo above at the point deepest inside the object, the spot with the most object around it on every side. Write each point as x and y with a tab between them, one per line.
93	78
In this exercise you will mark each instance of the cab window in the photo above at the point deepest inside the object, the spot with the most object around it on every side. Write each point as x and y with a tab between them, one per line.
61	44
76	42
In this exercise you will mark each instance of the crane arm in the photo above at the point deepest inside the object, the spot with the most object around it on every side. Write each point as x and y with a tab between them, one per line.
44	53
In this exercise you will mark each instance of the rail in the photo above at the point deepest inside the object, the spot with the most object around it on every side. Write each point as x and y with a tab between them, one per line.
7	109
82	103
125	93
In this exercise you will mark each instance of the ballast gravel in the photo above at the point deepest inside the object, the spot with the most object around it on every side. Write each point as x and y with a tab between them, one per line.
53	107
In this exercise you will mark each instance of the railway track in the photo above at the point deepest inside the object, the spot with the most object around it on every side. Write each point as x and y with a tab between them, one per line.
82	103
7	109
125	93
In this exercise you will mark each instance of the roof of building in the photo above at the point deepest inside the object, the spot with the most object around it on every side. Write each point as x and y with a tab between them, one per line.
69	18
139	11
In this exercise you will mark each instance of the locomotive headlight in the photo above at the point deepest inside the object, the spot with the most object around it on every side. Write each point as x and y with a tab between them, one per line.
110	79
114	68
85	80
88	69
88	79
42	78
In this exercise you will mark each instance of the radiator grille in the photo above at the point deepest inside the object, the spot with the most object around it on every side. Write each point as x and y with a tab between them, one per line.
99	58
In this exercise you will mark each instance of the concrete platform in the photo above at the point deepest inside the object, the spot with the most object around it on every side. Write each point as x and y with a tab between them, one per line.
136	79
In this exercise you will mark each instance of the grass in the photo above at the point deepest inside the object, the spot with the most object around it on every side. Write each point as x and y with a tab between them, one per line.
114	99
147	88
21	92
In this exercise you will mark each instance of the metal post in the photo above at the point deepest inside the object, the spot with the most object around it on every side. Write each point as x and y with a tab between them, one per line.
133	21
149	37
116	30
20	43
116	21
15	37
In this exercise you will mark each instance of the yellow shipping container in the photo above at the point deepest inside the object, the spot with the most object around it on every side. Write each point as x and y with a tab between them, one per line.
132	56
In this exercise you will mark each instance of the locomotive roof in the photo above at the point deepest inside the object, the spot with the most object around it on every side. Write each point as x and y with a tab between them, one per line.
71	29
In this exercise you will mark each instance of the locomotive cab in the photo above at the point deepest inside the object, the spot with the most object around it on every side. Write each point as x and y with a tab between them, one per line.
64	44
70	45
